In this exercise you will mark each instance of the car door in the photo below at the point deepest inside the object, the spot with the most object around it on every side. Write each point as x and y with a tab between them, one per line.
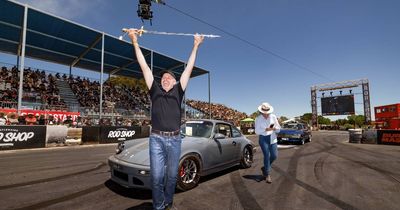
237	141
226	146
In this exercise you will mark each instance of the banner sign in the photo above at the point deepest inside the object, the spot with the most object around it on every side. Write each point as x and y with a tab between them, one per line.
90	134
115	134
58	115
391	137
22	137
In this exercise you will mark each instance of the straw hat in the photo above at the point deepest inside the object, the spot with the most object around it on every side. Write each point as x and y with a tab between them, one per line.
265	108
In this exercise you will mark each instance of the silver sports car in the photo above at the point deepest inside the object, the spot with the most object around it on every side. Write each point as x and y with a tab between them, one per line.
208	146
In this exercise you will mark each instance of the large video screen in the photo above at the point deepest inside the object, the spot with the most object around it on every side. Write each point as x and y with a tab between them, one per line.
338	105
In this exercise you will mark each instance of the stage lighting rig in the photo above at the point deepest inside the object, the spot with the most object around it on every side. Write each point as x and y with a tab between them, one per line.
144	9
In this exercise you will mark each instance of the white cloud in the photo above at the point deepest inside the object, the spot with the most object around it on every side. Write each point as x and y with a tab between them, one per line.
70	9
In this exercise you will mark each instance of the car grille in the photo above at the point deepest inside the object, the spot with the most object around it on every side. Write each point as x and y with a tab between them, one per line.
290	136
121	175
137	181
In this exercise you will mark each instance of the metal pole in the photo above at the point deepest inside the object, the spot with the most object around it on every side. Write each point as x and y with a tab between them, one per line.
184	98
70	71
22	66
184	106
101	76
209	94
151	68
151	61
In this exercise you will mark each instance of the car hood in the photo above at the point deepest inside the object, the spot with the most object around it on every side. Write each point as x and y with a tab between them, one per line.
290	131
138	153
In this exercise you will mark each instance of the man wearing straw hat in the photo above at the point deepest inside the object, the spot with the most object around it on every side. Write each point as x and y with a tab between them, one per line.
267	126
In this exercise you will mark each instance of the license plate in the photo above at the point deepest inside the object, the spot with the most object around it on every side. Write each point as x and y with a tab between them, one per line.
285	139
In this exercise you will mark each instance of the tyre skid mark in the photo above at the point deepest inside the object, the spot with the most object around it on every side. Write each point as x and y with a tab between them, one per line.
52	168
63	198
98	166
246	199
291	174
315	191
388	174
285	188
318	168
372	153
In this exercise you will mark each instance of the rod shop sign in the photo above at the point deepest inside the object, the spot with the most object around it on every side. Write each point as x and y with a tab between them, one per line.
114	134
22	137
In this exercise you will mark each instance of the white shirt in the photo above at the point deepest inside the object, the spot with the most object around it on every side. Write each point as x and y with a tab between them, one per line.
263	123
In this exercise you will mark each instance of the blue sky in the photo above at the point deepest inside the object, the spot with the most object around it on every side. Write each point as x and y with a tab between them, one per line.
339	39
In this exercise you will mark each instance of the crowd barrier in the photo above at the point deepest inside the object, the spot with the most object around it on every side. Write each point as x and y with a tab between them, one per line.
56	134
369	136
22	137
39	136
74	135
113	134
390	137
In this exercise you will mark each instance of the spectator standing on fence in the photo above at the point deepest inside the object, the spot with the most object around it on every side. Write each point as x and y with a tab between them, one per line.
165	139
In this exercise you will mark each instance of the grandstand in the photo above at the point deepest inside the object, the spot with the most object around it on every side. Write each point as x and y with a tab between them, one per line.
24	32
53	92
199	109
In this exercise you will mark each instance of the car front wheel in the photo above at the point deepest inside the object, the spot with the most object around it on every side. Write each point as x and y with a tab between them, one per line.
189	173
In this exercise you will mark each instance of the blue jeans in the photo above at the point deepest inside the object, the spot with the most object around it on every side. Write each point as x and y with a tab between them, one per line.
165	152
269	150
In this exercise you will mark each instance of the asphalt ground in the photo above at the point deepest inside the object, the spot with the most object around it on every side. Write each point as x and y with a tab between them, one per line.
328	173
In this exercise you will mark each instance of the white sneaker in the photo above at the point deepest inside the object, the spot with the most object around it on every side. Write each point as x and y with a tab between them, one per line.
268	179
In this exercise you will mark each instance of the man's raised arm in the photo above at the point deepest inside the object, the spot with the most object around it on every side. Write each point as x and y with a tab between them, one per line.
190	64
147	73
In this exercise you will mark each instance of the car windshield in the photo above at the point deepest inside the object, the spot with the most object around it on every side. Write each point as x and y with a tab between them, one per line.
197	129
290	126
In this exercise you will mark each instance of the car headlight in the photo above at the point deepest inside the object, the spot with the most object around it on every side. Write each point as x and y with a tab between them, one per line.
143	172
120	147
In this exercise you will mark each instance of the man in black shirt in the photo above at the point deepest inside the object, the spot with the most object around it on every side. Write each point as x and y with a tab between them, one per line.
165	139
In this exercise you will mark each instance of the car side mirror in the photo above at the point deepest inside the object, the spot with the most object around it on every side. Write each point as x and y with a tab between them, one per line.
219	136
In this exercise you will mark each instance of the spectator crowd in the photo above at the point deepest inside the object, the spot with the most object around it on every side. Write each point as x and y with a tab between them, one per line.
115	97
41	87
37	87
218	111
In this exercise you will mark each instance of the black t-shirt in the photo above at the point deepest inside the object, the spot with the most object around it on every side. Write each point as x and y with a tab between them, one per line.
166	107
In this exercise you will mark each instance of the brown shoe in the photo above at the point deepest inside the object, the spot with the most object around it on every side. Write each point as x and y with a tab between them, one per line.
268	179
